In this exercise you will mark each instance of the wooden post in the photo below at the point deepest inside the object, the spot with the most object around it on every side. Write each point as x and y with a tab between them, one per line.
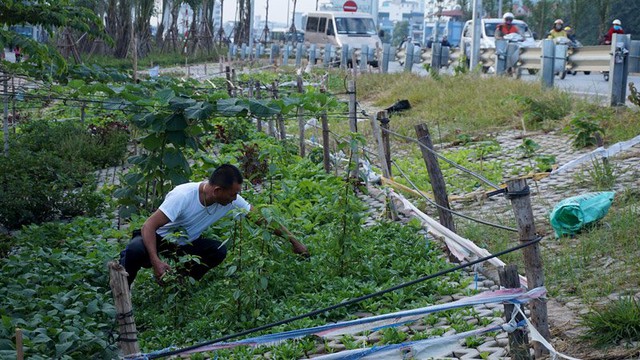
518	340
19	346
521	202
128	339
384	125
353	124
301	134
227	71
258	96
135	53
5	119
272	125
325	142
82	113
435	177
384	162
234	82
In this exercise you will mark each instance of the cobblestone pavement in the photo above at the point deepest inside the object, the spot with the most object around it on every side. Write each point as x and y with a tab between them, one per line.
550	190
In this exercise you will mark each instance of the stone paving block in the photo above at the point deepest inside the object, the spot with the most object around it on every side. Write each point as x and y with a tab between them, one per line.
470	354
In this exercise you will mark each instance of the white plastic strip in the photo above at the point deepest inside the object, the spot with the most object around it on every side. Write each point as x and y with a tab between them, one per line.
599	152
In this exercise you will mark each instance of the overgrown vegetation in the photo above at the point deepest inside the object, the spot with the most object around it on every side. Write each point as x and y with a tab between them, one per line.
617	323
48	173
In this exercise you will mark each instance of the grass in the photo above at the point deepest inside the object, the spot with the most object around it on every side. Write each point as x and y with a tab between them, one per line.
457	104
618	322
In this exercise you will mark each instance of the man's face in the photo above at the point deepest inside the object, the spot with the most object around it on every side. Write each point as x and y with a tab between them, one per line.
227	196
508	20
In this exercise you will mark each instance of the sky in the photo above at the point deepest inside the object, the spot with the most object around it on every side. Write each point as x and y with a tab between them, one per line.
277	8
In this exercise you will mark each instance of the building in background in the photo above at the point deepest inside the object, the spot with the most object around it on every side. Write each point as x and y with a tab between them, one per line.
449	17
391	12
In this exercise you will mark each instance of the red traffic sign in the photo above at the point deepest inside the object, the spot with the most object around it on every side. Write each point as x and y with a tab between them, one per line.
350	6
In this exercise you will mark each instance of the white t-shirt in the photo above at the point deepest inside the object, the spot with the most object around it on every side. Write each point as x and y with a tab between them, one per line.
183	208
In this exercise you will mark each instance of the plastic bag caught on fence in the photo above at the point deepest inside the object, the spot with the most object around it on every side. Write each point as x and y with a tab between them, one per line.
572	214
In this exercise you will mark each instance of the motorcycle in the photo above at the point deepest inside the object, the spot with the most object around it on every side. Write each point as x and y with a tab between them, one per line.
512	56
571	44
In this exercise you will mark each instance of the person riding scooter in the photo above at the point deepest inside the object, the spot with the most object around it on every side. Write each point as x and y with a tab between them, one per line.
558	30
616	28
507	27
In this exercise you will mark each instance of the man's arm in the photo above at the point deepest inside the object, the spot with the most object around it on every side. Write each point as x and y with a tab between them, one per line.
153	223
283	232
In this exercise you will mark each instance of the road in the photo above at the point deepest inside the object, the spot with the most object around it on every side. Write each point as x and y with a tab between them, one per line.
592	86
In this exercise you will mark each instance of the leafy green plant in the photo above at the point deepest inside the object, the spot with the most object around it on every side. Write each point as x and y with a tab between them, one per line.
602	174
392	336
536	111
473	341
65	188
59	321
528	148
545	163
634	94
585	129
617	322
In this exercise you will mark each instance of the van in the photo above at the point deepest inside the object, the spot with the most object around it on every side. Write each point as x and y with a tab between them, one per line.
284	36
341	28
488	40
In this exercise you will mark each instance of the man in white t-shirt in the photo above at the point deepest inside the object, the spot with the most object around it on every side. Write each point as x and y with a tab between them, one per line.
189	209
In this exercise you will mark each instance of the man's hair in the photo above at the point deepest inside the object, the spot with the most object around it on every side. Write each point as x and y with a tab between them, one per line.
225	176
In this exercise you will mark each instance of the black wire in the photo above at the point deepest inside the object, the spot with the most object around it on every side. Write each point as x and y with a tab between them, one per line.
450	210
346	303
440	156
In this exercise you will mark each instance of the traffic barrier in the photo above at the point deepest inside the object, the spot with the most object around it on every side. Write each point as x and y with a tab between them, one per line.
589	58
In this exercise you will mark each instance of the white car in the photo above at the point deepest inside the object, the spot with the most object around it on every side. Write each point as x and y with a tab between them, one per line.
488	40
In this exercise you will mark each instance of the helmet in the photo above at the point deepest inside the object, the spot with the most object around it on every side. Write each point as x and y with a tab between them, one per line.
508	15
559	21
617	22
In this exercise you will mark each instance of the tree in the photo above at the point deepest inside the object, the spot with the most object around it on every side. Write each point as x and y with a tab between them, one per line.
400	32
52	16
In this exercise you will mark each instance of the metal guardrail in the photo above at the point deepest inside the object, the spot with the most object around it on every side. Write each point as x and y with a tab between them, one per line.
589	58
583	59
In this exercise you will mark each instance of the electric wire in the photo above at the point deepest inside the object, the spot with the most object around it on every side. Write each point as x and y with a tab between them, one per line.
348	302
413	185
450	162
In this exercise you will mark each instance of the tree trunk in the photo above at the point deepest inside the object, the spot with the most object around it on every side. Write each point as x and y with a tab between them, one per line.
123	32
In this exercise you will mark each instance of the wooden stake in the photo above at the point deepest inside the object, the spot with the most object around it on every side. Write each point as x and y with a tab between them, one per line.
435	177
227	71
518	340
521	202
301	134
353	125
19	346
258	96
384	125
325	142
384	163
128	339
272	123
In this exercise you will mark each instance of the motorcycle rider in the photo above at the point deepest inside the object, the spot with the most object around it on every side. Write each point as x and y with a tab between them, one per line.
570	34
616	28
558	30
507	27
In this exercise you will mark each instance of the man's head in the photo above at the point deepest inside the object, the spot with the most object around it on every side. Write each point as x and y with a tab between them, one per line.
508	17
226	183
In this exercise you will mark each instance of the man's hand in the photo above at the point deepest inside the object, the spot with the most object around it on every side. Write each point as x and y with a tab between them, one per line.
159	269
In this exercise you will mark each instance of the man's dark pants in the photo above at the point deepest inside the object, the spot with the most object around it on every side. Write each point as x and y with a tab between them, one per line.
210	253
